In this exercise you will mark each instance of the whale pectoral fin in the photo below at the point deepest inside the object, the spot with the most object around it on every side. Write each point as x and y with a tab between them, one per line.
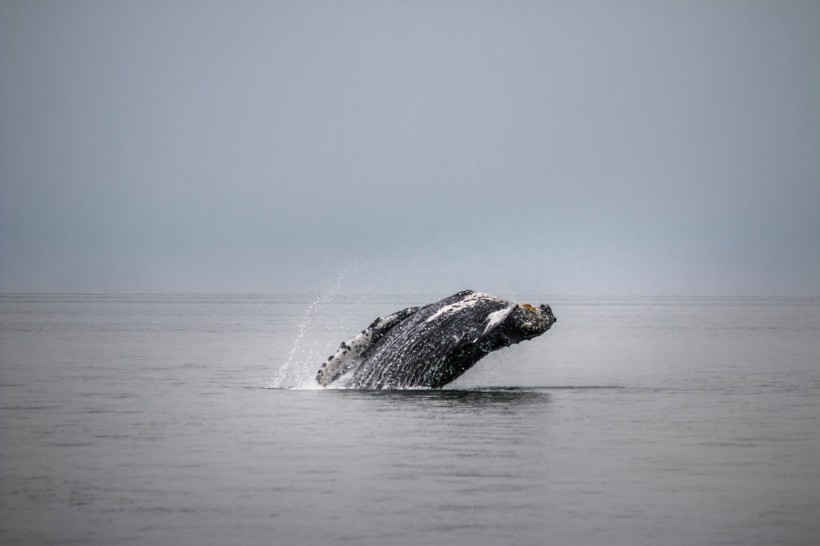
336	365
348	355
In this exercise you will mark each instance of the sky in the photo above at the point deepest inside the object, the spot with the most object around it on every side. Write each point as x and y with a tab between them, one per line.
531	147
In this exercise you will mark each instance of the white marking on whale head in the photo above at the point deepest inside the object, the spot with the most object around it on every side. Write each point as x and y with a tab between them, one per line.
496	317
469	301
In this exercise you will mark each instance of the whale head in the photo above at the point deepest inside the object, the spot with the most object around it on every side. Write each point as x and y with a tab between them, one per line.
520	322
531	321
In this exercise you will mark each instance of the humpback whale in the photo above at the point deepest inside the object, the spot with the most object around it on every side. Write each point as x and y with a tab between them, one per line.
431	346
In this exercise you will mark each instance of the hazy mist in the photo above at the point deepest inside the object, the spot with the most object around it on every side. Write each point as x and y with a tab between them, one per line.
511	147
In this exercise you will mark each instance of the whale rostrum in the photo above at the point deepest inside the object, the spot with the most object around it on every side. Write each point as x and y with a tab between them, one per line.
431	346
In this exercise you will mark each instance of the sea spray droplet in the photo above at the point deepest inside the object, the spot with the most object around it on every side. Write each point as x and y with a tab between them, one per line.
298	371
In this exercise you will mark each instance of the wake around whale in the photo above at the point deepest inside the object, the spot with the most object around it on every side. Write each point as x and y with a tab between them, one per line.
431	346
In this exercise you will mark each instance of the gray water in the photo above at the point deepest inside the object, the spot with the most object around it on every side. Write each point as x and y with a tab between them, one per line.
193	420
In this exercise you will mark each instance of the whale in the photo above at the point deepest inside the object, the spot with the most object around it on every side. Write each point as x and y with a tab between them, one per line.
432	345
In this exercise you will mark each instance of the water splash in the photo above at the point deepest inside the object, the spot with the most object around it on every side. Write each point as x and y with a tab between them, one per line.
299	370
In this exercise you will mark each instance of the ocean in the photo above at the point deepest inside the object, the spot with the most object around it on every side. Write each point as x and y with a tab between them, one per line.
194	419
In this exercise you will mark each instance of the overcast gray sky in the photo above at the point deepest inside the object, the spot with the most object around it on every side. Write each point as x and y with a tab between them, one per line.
514	147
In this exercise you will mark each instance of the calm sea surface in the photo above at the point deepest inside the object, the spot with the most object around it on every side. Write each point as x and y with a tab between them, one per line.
193	420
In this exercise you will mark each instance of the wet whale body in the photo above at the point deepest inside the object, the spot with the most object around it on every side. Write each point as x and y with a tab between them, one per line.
431	346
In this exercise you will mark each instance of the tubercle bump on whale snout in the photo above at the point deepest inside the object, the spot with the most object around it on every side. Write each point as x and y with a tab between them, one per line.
542	310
